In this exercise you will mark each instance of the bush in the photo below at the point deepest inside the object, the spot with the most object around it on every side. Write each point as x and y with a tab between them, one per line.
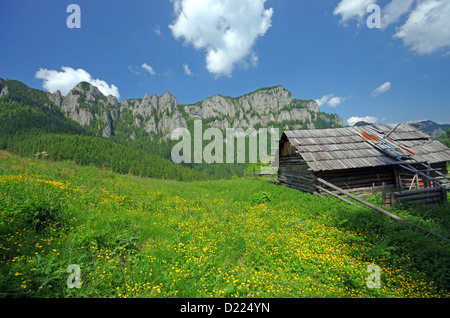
261	197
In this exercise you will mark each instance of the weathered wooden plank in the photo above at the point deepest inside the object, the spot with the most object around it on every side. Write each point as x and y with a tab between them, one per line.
293	159
357	174
413	192
297	187
360	182
393	216
425	201
359	185
293	162
293	169
368	189
299	181
335	195
307	186
353	176
307	177
364	202
419	196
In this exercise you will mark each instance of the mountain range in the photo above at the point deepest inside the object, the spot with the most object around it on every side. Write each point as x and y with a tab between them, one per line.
157	116
430	127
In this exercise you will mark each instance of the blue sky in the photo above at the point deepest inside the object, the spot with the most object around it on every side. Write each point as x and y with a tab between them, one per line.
322	50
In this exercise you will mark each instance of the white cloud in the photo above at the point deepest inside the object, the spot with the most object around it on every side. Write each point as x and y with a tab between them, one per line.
67	79
187	70
381	89
330	100
335	101
148	69
134	71
157	30
254	60
369	119
428	27
394	10
226	29
352	9
138	70
324	99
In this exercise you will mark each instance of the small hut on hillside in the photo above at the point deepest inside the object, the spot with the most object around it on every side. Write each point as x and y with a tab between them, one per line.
347	158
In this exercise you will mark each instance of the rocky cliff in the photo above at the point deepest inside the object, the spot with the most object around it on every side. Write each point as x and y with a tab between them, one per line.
157	116
86	105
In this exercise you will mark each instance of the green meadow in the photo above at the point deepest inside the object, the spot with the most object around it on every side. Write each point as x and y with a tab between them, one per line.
140	237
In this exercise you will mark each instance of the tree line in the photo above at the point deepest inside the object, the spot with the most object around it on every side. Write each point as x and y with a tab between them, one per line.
91	150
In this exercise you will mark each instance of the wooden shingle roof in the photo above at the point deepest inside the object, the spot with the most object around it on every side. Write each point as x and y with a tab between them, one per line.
344	148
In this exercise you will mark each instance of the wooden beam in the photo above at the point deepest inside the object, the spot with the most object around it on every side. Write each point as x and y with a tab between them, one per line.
364	202
336	196
393	216
427	201
416	191
398	179
420	196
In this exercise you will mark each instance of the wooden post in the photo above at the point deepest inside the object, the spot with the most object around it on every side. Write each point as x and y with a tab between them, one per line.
426	182
383	193
392	198
398	179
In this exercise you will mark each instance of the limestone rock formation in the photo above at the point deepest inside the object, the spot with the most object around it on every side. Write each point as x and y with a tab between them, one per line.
157	116
4	91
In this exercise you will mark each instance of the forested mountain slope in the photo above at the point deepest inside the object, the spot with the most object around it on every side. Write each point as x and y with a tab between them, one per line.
141	124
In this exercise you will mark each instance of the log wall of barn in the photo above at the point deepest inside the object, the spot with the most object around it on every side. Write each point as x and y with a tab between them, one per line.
360	178
293	172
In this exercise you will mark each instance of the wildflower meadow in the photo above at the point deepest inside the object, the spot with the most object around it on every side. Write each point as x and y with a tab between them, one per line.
140	237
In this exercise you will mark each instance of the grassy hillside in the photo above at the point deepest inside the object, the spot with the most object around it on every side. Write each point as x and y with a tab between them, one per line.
140	237
25	109
91	150
31	123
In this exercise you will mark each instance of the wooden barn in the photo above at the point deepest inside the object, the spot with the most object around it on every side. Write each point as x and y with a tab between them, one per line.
358	159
